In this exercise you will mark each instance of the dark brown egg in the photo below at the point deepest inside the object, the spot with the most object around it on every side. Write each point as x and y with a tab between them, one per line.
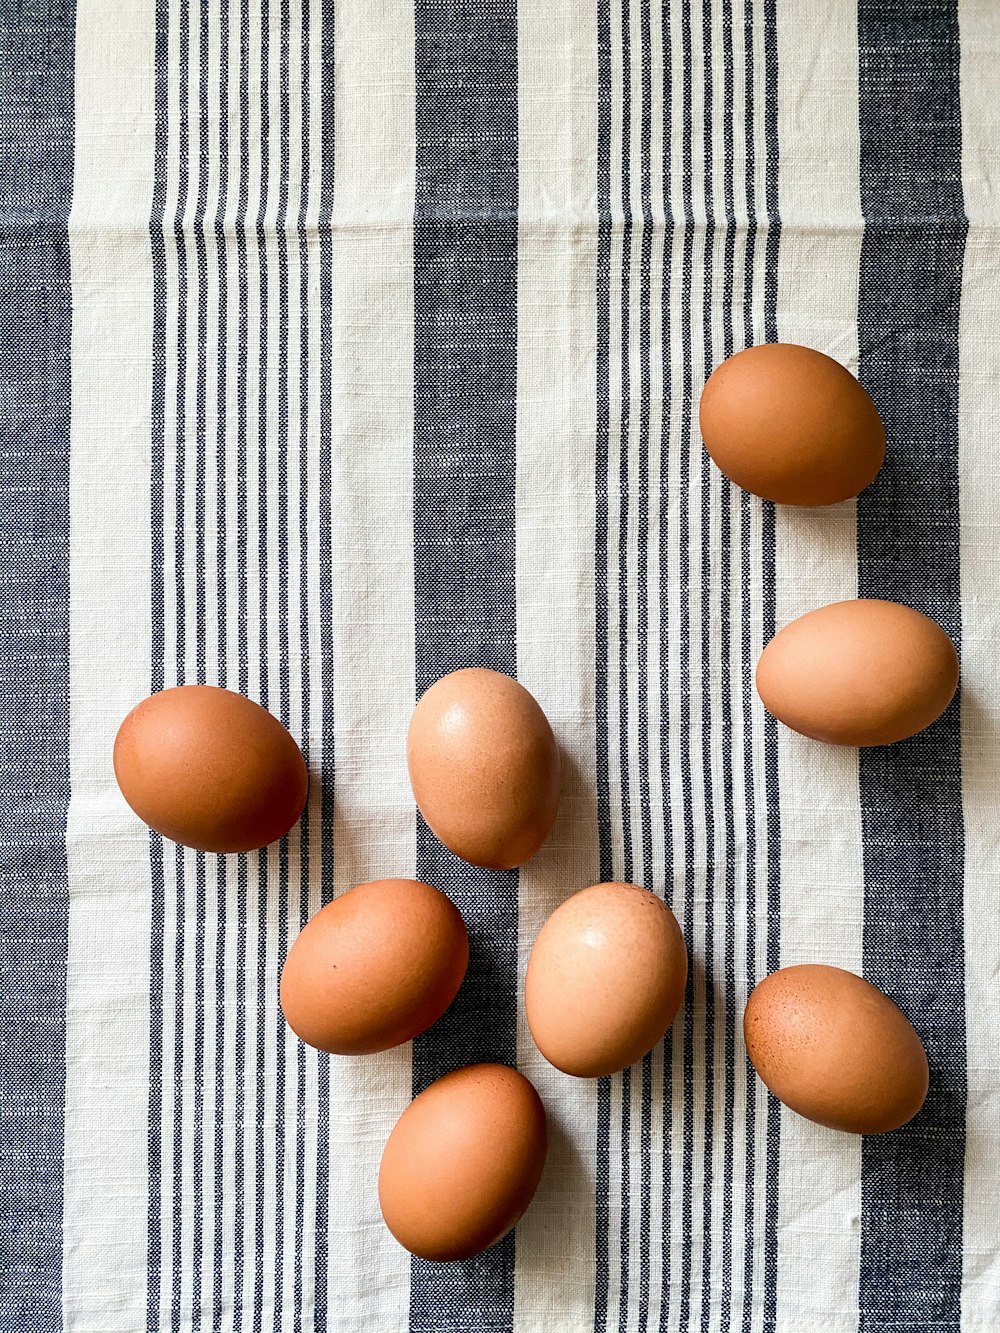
792	425
463	1162
835	1049
863	672
373	968
484	767
210	769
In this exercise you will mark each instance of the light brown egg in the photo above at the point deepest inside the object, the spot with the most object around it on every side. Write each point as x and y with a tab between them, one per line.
374	967
791	424
605	979
484	767
210	769
463	1162
858	673
835	1049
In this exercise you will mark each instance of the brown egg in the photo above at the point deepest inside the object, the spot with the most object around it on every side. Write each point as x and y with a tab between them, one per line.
858	673
463	1162
484	767
792	425
210	769
605	979
373	968
835	1049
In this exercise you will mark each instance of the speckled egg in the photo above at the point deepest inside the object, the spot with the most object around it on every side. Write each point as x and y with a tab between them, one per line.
374	967
834	1048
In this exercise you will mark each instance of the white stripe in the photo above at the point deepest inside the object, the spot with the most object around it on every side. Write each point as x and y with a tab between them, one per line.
187	579
979	408
556	320
254	1252
617	755
821	870
659	875
736	1222
678	797
374	666
636	1151
312	538
107	982
231	1000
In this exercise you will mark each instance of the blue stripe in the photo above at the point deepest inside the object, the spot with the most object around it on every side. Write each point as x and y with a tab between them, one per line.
179	911
769	604
305	502
707	735
684	444
622	1087
601	607
221	334
749	786
281	889
908	551
263	1166
36	186
157	960
201	508
325	501
666	315
465	388
243	627
728	703
645	814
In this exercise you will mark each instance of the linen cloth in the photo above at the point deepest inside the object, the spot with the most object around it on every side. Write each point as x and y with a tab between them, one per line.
343	343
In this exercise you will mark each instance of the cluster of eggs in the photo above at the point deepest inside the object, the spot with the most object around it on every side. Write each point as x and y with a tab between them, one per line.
608	970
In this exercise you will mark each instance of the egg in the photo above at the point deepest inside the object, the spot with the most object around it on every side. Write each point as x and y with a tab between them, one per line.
210	769
463	1162
484	767
792	425
605	979
863	672
832	1047
374	967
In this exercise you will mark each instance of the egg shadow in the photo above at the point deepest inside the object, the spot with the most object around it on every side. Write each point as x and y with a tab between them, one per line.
544	1221
575	827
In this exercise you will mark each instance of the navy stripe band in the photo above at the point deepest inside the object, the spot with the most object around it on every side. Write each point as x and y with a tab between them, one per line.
36	188
908	551
465	387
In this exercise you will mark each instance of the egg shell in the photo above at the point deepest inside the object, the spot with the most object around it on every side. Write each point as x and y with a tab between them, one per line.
374	967
863	672
792	425
210	769
484	767
463	1162
605	979
834	1048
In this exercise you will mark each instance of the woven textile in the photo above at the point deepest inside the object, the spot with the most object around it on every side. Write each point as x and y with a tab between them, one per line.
346	342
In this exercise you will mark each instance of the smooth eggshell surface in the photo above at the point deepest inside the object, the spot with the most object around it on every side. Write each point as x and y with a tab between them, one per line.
858	673
210	769
605	979
832	1047
484	767
375	967
463	1162
792	425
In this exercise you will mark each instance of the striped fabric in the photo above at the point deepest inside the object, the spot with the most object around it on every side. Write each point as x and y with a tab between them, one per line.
345	343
